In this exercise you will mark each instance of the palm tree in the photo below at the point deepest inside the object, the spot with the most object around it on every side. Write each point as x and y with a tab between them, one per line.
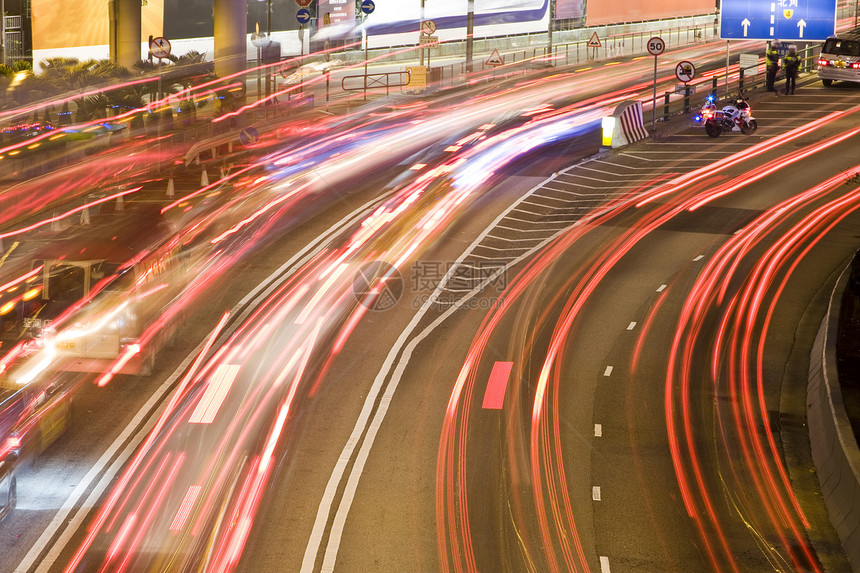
66	74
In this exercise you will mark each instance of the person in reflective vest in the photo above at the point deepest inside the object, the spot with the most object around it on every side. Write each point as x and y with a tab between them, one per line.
772	62
791	63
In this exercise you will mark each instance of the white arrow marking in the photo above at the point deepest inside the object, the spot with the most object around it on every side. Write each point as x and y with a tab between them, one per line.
801	24
746	24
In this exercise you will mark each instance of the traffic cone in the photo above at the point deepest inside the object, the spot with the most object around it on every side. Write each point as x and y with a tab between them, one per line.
204	179
171	189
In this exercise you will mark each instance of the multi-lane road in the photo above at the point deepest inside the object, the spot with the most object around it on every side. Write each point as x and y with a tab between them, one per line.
448	335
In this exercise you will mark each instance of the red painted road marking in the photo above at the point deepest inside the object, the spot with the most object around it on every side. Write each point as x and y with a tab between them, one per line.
495	394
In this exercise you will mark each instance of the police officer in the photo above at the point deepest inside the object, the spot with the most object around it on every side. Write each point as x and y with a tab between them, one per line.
791	62
772	61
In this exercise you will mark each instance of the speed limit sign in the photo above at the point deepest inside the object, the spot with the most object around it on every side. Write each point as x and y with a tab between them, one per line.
656	46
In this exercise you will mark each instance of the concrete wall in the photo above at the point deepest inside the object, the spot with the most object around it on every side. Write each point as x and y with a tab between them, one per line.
834	446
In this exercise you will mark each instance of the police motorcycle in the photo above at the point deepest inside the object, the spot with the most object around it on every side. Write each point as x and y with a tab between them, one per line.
736	116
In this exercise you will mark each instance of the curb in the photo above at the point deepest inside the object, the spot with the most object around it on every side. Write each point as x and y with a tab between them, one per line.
834	446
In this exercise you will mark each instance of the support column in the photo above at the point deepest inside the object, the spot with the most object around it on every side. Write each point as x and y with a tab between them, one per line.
231	30
470	35
127	37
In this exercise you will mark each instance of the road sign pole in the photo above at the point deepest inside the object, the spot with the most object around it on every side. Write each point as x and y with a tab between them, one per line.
656	45
421	27
654	99
364	33
727	68
158	117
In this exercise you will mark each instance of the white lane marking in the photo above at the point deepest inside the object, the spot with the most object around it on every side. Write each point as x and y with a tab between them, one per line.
699	258
604	564
608	371
107	479
595	493
405	355
217	388
631	326
73	524
662	288
598	430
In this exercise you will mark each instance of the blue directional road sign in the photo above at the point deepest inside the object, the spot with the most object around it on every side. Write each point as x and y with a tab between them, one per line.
368	6
303	16
792	20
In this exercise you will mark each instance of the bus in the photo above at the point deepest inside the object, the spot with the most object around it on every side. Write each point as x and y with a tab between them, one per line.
93	292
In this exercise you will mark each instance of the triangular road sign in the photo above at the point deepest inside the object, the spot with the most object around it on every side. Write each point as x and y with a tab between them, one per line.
594	42
495	59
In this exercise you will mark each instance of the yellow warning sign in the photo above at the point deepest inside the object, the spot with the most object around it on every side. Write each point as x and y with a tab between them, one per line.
417	78
594	42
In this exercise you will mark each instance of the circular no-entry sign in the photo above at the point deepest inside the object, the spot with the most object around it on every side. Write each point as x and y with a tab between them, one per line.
656	46
685	71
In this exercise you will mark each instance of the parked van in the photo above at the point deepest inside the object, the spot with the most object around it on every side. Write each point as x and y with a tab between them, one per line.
840	58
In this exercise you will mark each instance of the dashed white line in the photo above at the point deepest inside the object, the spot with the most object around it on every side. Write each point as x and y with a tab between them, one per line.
662	288
631	326
699	258
598	430
608	371
595	493
604	564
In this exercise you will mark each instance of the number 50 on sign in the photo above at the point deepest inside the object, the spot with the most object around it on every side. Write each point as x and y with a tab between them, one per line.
656	46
